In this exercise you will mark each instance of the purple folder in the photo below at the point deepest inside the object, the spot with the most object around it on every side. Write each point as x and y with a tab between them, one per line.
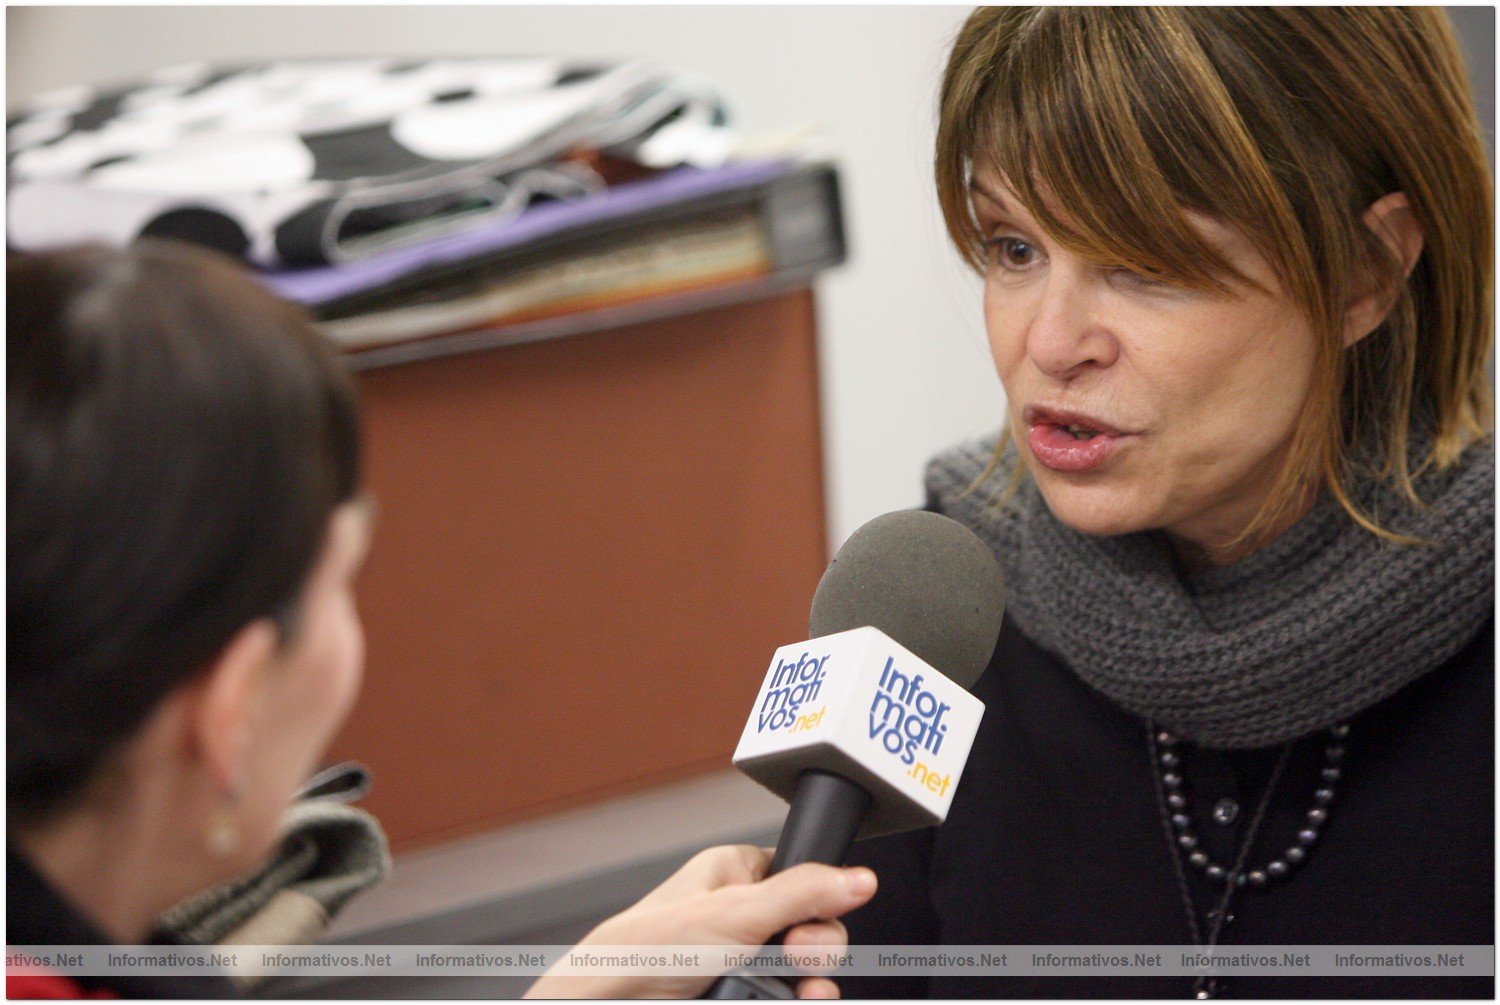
322	285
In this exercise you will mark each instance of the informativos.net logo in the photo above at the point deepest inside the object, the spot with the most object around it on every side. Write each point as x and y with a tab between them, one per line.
859	704
792	686
905	717
909	720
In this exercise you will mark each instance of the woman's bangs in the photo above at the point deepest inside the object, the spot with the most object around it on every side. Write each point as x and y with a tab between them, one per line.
1081	144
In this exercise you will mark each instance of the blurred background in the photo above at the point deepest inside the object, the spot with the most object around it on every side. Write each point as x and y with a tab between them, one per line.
589	545
904	366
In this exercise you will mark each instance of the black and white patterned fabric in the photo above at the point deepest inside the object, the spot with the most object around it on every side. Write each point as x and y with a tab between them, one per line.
319	162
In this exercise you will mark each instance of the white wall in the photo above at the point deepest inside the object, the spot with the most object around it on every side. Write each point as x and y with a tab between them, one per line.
905	368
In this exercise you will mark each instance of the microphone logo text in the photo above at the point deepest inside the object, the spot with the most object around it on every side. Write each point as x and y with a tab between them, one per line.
908	720
792	685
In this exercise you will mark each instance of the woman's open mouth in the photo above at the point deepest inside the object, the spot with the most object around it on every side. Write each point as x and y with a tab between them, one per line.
1069	441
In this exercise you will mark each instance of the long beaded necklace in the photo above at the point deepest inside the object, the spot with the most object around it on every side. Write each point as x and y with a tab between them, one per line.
1166	770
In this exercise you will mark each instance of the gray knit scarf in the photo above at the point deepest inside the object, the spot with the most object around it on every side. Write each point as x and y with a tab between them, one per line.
1324	621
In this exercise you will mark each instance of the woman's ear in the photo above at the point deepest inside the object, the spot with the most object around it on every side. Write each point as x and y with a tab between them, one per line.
220	722
1391	219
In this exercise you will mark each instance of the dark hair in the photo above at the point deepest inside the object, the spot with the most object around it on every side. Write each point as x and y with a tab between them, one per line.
178	438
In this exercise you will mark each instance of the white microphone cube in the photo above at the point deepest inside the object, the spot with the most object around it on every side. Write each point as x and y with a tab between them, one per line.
861	705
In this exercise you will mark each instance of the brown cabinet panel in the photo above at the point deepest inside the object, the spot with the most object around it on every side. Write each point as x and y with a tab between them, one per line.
586	551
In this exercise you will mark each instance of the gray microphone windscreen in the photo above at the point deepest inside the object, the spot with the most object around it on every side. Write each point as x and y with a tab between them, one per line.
926	581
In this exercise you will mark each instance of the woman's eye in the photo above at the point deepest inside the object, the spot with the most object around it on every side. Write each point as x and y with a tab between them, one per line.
1138	280
1012	253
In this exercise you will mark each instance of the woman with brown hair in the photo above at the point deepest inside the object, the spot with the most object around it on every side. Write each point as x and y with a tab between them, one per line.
1237	268
186	521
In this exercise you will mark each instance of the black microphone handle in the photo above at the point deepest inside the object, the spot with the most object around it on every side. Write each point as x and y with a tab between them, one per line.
825	814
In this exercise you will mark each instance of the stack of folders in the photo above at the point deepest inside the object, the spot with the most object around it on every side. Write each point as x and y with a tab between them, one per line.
686	230
403	201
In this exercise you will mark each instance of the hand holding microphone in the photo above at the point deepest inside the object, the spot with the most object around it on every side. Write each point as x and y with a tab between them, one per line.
865	728
721	897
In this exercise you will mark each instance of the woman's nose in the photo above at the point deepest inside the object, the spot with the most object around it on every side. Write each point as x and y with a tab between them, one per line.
1068	334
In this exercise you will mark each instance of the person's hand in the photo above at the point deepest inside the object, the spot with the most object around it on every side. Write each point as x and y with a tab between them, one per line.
719	898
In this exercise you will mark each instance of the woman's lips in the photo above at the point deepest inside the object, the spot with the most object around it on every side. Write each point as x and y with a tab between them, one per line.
1055	446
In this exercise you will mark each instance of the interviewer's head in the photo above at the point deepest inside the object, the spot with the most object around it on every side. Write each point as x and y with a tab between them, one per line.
1257	240
183	497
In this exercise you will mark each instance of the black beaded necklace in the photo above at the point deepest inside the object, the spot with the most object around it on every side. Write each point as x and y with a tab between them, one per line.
1166	770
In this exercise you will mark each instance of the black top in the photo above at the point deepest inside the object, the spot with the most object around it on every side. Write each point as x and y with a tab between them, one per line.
36	914
1056	837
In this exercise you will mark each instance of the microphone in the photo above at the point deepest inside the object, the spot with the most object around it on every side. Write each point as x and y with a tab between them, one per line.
866	727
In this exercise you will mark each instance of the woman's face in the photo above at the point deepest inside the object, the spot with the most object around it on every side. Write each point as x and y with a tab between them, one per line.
1139	405
311	683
